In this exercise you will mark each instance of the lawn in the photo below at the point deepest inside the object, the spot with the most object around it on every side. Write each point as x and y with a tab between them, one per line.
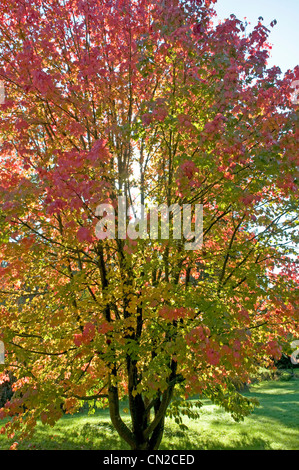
272	426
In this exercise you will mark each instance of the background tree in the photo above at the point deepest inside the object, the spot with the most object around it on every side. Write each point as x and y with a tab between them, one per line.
153	101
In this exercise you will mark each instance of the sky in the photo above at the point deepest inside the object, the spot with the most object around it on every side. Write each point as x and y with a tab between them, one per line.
284	36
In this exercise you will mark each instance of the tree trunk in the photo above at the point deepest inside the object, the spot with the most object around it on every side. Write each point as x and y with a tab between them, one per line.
144	435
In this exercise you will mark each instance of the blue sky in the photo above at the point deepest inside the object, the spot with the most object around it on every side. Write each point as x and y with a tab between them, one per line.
284	36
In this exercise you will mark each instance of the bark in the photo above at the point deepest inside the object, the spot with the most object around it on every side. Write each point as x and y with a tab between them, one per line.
143	436
122	429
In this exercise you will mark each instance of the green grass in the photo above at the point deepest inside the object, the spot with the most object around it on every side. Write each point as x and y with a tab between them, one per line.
272	426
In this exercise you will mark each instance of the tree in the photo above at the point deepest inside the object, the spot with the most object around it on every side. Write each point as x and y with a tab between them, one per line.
154	102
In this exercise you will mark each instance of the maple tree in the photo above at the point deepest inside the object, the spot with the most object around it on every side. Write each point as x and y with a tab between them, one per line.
157	101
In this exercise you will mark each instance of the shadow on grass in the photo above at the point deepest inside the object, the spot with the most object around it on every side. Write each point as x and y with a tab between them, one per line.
275	424
102	436
195	442
279	402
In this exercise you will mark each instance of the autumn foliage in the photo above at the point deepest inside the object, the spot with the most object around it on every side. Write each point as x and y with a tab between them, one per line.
153	100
